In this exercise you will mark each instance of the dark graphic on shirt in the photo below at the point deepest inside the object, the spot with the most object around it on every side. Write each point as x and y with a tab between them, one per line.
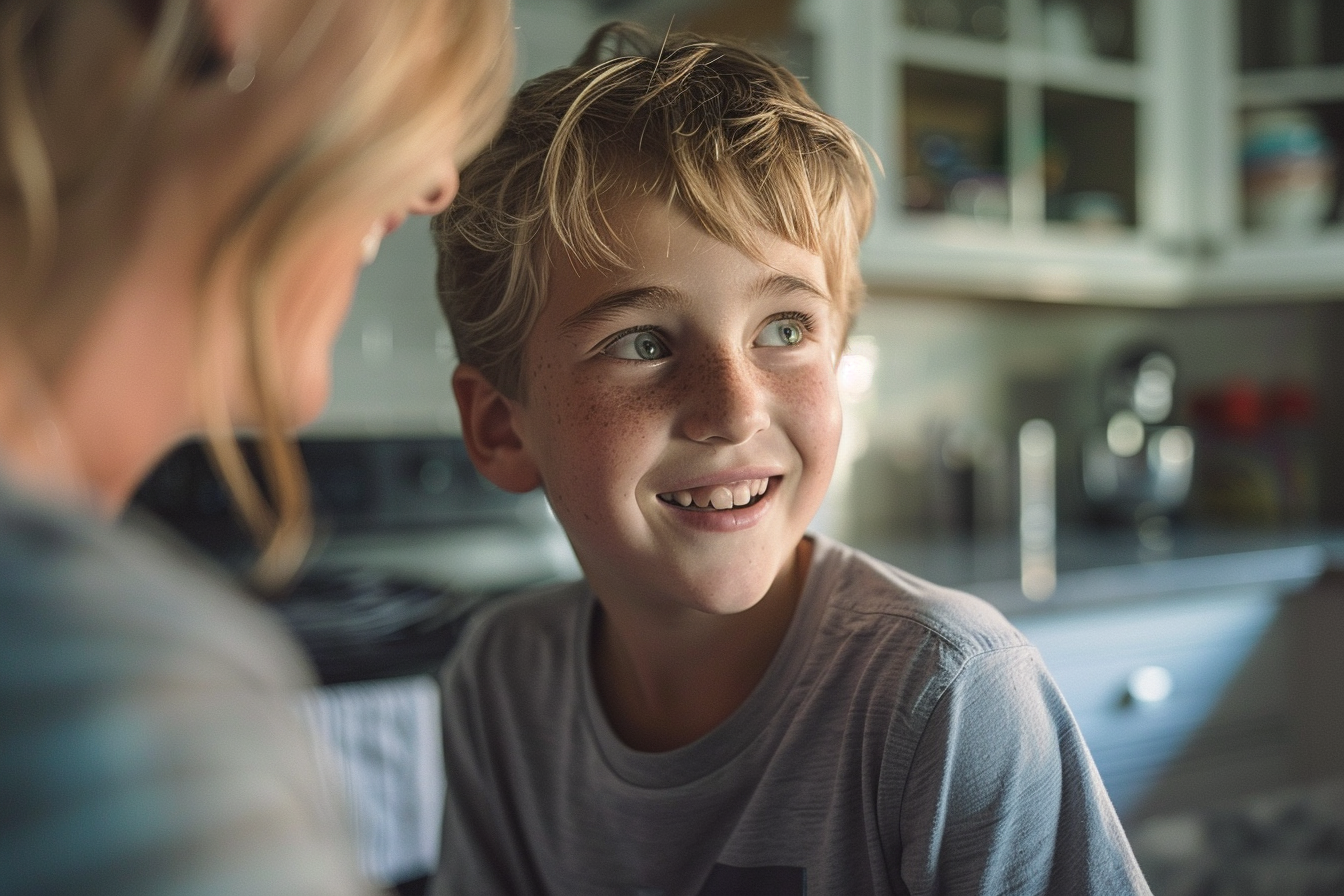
776	880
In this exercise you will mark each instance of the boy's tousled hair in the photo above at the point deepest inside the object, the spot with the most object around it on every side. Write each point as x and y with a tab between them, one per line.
730	137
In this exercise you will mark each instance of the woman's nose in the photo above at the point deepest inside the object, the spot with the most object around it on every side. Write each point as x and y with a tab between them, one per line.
436	198
725	401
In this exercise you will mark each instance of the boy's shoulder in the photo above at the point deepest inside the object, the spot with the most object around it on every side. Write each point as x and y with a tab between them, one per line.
874	594
545	623
537	623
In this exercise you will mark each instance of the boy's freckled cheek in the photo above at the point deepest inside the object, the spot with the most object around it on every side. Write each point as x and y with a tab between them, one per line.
602	419
815	388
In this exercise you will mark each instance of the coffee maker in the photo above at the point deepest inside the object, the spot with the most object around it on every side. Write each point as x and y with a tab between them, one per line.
1137	464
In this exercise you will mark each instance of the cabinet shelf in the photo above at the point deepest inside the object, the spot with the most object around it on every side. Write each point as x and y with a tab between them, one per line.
1318	84
1085	74
952	52
1052	263
1254	268
1095	76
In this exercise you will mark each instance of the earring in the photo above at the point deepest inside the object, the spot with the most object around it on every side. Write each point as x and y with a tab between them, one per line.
244	69
372	241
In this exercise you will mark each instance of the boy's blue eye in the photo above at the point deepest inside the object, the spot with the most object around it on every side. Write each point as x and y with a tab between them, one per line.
641	345
785	331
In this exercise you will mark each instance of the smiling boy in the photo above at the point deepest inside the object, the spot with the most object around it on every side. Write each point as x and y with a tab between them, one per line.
650	277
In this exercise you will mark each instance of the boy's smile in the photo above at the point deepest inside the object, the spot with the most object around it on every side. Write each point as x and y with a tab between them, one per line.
719	497
681	412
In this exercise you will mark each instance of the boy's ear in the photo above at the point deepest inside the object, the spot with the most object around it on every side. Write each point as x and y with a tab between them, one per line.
489	433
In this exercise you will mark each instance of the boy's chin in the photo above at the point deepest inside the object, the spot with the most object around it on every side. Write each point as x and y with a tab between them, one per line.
722	599
727	604
745	594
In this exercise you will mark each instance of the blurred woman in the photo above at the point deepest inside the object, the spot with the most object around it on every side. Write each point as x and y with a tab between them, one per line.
188	189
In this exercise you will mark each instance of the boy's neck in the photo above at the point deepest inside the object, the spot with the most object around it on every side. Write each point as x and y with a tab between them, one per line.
664	685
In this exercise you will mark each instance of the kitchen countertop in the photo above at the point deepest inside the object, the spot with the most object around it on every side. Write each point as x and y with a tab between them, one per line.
1097	567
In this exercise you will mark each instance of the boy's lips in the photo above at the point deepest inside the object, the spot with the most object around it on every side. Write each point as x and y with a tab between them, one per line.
723	496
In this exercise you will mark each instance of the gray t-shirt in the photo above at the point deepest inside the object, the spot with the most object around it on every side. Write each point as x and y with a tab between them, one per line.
905	739
149	738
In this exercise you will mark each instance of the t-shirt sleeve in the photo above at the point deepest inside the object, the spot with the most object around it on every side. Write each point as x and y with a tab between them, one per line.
1002	796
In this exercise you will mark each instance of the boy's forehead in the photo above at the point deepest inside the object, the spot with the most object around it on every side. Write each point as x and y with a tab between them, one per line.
650	243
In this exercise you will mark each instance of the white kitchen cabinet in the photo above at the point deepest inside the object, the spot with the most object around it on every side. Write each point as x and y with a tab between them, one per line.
1181	699
1191	698
1280	58
1068	150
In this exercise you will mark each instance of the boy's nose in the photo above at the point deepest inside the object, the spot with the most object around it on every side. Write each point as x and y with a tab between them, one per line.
725	402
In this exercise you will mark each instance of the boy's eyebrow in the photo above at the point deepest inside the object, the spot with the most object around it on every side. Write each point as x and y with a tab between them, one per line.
655	297
607	307
786	283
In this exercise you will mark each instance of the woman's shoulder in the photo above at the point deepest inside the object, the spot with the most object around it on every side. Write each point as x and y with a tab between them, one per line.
139	689
130	597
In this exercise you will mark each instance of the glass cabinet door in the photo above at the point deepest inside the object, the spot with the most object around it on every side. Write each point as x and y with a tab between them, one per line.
1291	116
1017	111
1017	139
1284	140
1122	151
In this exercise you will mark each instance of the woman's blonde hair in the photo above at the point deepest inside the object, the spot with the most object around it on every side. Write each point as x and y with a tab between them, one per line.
726	134
426	72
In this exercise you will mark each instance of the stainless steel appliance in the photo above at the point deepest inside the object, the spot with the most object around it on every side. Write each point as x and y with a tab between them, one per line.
1137	465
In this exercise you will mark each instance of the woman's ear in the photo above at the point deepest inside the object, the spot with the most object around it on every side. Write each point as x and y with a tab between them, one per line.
233	23
489	432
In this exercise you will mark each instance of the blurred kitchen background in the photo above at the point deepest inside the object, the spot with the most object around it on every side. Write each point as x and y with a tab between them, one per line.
1097	382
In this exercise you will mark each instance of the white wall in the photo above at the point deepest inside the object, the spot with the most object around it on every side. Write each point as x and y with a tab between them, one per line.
394	357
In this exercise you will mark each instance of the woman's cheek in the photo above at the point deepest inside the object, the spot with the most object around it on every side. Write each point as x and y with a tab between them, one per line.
312	310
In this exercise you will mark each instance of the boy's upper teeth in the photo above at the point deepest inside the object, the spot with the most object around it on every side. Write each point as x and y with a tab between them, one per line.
719	497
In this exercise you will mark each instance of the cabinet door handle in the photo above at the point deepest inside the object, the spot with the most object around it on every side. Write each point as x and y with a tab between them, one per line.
1148	685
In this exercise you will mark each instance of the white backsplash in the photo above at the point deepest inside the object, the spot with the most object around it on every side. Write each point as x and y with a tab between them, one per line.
393	362
965	373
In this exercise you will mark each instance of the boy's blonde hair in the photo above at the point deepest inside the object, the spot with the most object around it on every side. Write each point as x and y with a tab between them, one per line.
729	136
